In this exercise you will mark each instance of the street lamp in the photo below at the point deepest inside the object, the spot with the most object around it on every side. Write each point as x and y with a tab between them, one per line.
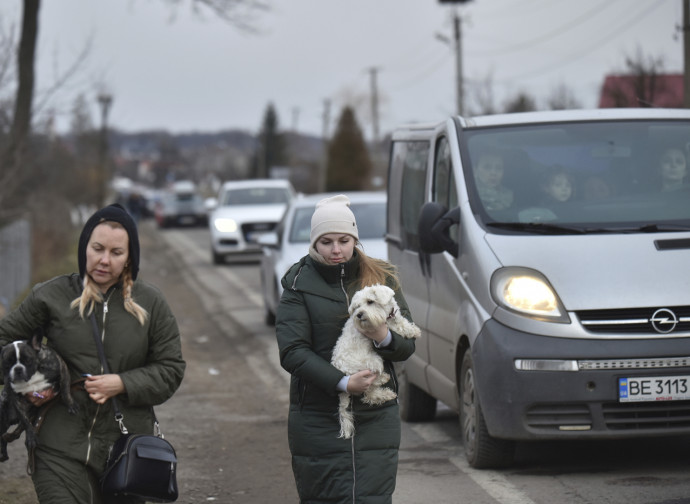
104	100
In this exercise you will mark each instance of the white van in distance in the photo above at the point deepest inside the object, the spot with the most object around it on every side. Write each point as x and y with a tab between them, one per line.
546	257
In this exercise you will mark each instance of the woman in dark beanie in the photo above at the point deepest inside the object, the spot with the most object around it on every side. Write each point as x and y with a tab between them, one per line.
142	345
311	314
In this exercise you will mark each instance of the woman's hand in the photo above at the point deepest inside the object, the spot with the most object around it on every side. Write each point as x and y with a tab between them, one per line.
361	381
102	387
378	334
42	397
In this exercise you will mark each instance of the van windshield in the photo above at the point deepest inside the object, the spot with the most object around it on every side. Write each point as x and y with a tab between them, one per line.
612	176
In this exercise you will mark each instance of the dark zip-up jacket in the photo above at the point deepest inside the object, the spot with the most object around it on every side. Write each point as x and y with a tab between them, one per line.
310	318
148	358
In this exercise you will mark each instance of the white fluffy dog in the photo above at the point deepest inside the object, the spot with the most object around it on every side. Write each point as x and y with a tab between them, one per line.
354	352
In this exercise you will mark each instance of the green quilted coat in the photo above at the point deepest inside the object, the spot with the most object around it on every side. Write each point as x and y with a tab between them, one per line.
148	359
327	469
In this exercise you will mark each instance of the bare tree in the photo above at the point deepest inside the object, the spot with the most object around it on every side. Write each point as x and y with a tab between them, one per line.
563	98
521	102
236	12
482	94
640	84
239	13
10	159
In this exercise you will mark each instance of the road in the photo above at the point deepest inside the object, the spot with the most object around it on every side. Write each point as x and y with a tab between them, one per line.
432	464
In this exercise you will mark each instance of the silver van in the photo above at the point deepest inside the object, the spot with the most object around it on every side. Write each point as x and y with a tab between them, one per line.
546	257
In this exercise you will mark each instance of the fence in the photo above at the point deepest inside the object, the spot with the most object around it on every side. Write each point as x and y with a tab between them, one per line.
15	262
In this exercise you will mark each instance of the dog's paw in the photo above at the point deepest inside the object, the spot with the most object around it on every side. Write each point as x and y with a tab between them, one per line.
376	396
73	408
4	457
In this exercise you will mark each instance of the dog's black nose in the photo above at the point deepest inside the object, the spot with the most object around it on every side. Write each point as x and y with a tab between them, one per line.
359	315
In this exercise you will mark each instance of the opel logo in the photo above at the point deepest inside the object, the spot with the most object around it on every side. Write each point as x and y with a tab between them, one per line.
664	321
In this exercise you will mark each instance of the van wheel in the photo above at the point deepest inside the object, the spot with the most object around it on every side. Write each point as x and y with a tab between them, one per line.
482	450
415	404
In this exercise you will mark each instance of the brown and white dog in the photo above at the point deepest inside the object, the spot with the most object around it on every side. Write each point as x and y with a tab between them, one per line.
29	367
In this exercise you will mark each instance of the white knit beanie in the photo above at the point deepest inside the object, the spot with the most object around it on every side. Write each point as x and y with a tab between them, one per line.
333	215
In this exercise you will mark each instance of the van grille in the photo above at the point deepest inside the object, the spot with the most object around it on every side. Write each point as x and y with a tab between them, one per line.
665	320
645	416
554	416
648	417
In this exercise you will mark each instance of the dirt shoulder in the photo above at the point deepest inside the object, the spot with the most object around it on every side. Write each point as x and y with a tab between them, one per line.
228	428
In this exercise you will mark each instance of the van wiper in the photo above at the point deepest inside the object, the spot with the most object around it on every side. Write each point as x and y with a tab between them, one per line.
662	228
542	228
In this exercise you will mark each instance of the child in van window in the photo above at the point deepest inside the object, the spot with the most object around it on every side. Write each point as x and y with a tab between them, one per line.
558	185
488	173
673	169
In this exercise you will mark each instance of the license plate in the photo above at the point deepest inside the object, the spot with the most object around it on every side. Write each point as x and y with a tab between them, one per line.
654	388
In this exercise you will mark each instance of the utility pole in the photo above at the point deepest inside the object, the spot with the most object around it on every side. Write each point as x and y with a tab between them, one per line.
686	53
321	181
104	100
295	118
374	105
457	23
457	33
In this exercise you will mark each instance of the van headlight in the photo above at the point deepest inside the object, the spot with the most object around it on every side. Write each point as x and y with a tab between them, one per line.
527	292
225	225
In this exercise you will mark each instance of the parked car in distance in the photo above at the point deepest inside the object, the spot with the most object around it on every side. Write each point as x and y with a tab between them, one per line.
245	210
181	205
290	240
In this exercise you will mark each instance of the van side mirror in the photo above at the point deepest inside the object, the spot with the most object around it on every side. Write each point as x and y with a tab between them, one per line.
433	228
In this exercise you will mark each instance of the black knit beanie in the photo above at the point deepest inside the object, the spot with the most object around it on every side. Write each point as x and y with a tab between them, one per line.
116	213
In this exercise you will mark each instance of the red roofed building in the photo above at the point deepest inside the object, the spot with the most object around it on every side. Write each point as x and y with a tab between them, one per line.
623	91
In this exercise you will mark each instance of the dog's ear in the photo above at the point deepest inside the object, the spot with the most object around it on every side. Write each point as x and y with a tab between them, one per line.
384	294
37	339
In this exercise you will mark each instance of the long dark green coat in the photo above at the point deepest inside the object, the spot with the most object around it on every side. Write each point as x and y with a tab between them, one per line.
148	358
327	469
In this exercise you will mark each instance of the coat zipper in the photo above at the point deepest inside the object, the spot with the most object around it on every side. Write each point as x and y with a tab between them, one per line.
98	408
354	469
342	283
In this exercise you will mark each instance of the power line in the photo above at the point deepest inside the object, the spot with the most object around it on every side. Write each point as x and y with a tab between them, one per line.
554	33
569	59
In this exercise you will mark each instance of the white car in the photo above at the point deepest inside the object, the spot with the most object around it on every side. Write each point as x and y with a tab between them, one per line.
290	241
244	211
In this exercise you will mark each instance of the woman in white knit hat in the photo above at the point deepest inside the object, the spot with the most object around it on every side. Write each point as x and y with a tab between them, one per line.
311	314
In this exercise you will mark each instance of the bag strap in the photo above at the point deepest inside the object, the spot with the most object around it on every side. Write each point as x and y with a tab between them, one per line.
119	417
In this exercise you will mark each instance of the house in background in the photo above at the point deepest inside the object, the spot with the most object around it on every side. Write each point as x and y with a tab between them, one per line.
660	90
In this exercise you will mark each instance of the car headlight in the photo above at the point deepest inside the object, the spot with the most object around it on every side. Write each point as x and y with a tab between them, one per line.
225	225
527	292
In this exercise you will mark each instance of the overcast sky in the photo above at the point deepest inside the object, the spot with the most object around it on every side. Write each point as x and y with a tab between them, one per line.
169	69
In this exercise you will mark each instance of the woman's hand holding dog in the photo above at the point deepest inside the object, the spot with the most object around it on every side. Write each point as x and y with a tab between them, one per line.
42	397
102	387
378	334
361	381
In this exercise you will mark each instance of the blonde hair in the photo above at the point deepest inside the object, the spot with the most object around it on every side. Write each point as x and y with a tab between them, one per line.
92	295
374	271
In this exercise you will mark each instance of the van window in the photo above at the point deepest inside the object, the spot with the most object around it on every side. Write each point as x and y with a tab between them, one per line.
412	155
620	175
444	191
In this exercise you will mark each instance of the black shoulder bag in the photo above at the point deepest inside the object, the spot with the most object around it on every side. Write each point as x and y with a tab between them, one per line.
139	465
